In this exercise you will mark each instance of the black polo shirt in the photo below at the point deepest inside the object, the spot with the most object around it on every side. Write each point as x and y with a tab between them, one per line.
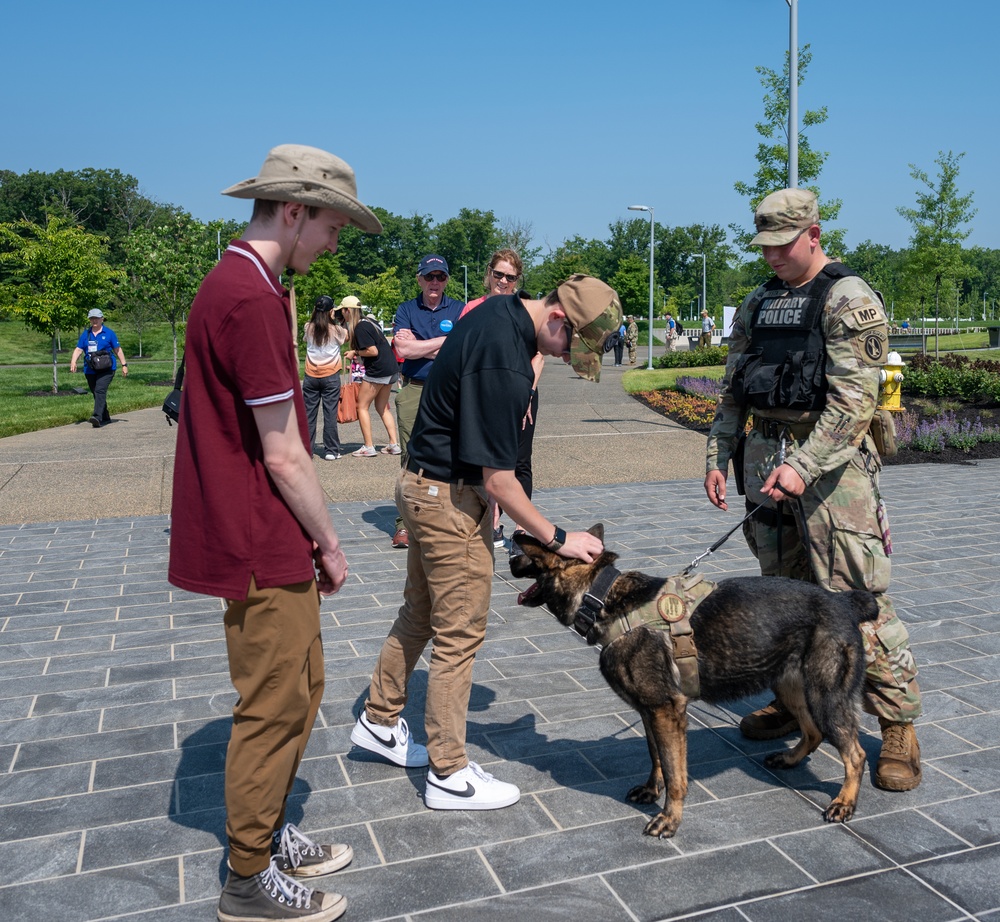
476	394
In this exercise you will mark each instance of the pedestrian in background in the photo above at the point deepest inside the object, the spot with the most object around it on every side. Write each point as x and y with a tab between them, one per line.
98	346
321	384
368	343
707	325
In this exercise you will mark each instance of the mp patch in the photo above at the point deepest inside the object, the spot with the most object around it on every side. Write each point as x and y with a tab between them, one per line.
873	347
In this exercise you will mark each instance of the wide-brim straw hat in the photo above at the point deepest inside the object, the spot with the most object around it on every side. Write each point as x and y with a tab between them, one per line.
298	173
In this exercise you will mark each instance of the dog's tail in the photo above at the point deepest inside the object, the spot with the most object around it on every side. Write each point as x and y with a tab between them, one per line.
864	605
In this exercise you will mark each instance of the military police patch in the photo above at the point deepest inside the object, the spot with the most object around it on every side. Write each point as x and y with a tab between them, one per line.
670	607
874	347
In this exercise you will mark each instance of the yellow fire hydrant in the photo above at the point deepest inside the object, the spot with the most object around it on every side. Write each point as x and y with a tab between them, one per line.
890	379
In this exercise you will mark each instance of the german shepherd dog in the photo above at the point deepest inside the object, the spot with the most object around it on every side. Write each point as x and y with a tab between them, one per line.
750	634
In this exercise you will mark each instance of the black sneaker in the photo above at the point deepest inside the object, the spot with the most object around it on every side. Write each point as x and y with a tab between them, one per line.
296	855
270	895
95	422
498	536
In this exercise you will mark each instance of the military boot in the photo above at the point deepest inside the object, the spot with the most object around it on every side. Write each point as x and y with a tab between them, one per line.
898	767
769	723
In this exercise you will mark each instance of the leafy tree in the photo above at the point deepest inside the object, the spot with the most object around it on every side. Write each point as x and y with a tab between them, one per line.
167	262
103	202
382	294
936	243
984	265
325	277
772	158
400	247
880	266
55	274
631	281
517	235
574	255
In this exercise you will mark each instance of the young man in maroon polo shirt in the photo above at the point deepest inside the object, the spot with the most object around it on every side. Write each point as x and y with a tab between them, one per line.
250	523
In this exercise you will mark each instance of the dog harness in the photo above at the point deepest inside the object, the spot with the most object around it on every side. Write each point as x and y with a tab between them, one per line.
670	611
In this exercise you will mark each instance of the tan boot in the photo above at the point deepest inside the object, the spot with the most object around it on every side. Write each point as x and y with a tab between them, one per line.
898	767
769	723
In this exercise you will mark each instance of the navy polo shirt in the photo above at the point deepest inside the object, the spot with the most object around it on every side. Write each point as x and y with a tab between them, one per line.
426	324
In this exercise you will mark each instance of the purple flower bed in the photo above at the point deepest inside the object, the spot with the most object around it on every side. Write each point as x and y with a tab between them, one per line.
945	431
699	387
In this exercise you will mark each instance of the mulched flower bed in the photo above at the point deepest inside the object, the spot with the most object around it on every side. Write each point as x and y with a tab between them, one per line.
695	412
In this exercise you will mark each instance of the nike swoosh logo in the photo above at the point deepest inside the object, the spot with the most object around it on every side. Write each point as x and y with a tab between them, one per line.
389	743
469	791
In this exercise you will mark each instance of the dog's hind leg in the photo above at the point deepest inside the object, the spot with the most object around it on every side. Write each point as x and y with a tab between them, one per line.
649	792
842	807
791	695
669	729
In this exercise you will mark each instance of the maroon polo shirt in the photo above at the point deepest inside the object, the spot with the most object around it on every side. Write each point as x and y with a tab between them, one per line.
228	519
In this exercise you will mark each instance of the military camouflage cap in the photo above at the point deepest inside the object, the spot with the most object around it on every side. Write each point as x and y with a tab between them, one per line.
594	311
783	215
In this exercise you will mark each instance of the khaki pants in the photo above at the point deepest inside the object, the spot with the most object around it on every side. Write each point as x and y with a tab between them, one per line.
449	573
276	665
407	403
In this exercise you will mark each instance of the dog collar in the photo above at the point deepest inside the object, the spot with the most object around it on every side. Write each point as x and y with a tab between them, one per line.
593	601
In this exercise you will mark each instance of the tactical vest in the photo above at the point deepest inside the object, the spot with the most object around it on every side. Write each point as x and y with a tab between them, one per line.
785	363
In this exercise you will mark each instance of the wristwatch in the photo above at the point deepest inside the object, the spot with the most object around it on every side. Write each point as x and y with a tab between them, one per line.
558	539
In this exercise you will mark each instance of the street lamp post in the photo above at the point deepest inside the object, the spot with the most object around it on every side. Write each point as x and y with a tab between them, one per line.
704	301
652	236
466	268
793	93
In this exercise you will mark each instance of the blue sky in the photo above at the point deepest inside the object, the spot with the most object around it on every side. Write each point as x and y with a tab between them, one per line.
551	112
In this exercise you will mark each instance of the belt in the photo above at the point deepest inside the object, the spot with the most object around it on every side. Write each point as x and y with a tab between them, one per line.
416	382
414	468
775	428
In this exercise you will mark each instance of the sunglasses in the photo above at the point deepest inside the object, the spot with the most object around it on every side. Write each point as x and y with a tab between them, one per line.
503	275
436	277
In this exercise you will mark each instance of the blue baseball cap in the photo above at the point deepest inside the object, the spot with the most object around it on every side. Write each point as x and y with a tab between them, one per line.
433	263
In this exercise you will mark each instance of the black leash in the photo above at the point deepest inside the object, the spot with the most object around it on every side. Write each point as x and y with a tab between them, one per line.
694	563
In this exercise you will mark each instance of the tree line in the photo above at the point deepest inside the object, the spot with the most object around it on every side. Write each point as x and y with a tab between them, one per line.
73	240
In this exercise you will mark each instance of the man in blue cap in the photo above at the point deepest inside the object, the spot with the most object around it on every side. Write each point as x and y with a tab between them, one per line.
419	332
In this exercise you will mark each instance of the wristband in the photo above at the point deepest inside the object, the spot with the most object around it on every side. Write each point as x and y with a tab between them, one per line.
558	540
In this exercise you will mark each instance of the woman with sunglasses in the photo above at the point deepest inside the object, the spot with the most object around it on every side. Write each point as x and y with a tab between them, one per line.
502	275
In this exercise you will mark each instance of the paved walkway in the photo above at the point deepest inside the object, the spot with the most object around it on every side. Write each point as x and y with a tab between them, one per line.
115	703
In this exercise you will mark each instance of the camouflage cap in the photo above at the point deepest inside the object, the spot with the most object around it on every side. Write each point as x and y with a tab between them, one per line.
783	215
594	311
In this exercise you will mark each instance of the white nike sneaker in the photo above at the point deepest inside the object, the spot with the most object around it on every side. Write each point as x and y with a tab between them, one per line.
469	788
392	743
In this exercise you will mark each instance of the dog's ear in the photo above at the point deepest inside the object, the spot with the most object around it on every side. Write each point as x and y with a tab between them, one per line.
597	531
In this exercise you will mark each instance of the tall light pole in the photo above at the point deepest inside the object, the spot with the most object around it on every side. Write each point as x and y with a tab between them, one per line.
793	93
652	240
466	268
704	302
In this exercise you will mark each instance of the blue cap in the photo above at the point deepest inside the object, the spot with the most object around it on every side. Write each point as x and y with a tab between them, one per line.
433	263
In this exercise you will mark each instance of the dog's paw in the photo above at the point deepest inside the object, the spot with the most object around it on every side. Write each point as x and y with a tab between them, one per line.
662	826
779	760
644	794
838	812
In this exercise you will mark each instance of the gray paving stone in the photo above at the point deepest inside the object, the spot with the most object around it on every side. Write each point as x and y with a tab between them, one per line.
42	753
673	888
43	783
852	899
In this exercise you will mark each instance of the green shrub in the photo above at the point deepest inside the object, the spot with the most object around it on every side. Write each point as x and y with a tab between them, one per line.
953	376
693	358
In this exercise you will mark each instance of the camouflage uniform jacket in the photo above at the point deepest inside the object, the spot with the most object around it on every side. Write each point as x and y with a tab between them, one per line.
855	333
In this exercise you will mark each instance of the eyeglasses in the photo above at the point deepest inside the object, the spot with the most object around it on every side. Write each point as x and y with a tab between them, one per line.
568	327
436	277
503	275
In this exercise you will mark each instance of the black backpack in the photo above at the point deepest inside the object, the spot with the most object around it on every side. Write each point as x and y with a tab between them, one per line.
679	326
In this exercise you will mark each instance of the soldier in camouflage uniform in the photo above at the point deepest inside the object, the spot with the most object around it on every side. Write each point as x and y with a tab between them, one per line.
631	339
810	457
